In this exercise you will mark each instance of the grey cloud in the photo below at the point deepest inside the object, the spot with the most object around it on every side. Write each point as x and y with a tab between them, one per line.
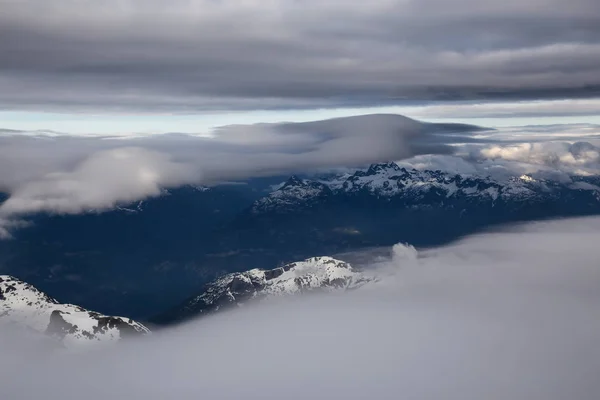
68	174
74	174
556	152
579	154
507	315
453	164
556	161
550	108
191	56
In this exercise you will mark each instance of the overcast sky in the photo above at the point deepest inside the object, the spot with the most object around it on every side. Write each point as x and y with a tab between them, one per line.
193	69
206	57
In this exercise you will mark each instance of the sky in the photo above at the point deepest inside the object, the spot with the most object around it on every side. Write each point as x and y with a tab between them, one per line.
103	103
493	115
123	66
109	102
503	315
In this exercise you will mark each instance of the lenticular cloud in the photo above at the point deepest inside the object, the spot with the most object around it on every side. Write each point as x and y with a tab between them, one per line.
66	174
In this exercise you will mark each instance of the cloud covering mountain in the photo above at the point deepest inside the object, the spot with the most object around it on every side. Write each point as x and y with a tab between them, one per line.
59	173
67	174
509	314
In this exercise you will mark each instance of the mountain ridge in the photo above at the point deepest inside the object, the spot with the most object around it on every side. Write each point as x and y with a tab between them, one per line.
237	289
71	325
181	241
391	180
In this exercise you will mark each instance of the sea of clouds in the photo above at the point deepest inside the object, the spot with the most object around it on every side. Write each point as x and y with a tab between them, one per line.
510	314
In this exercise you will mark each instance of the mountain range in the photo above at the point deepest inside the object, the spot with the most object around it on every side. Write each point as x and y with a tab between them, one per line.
416	188
24	306
142	259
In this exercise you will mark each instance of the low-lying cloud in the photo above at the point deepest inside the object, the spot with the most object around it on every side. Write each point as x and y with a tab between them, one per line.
103	179
578	155
56	173
555	152
505	315
68	174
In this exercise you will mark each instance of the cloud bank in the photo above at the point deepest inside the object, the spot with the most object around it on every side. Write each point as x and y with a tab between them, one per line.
506	315
200	55
555	152
68	174
510	109
59	173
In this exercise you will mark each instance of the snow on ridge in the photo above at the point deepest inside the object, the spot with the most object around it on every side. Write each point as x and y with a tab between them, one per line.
390	180
292	191
73	326
236	289
314	273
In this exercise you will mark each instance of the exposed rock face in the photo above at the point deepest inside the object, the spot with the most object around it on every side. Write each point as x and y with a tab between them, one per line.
25	305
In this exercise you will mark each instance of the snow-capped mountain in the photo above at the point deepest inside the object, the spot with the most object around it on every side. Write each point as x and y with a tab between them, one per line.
417	187
23	304
181	241
236	289
294	190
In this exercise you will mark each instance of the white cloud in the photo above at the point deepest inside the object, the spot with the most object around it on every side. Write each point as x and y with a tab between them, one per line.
510	315
72	174
553	152
102	180
576	158
65	174
446	163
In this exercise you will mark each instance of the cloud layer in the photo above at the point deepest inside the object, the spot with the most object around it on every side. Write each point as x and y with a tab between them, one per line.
509	315
191	56
555	152
67	174
59	173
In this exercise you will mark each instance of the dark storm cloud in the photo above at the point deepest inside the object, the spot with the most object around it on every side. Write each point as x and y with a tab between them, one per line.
203	55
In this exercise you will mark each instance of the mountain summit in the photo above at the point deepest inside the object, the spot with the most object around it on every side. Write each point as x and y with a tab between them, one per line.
23	304
313	274
423	188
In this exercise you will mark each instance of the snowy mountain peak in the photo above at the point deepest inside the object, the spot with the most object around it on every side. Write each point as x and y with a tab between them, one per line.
388	167
236	289
389	181
293	181
23	304
289	194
